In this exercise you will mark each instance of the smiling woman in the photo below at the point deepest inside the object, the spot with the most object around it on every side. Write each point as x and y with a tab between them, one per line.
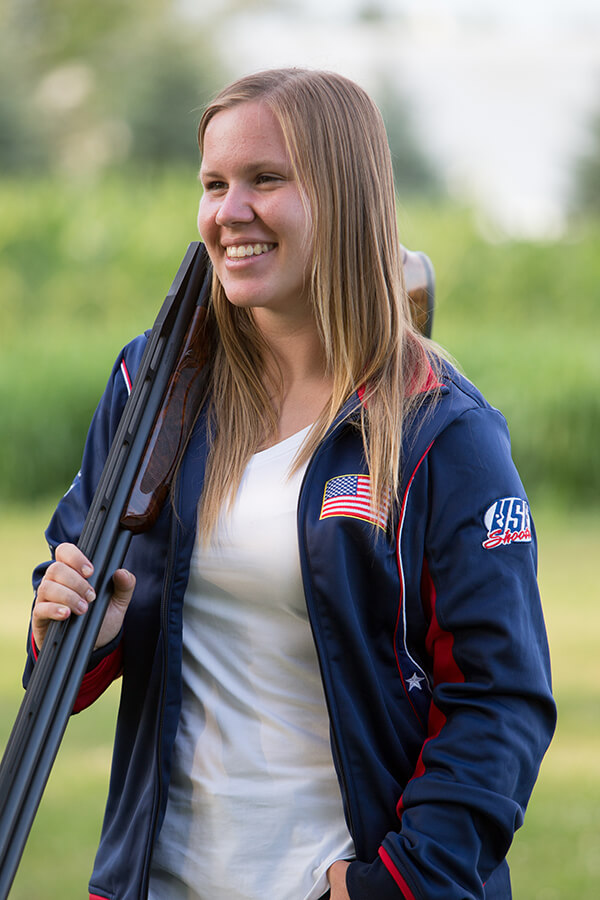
252	200
335	683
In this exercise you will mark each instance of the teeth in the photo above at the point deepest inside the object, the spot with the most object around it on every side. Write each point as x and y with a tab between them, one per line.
239	252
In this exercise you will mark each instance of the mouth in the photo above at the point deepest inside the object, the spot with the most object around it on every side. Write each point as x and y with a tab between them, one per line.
241	251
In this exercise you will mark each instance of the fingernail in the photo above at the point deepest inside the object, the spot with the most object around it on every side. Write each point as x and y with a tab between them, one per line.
82	606
86	570
63	611
90	595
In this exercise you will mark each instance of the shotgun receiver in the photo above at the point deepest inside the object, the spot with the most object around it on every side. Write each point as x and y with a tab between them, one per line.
419	282
148	444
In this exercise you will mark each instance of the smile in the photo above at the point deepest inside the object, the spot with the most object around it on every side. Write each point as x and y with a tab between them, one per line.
242	250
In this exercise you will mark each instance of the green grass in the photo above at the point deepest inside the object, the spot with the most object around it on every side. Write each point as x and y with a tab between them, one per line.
554	857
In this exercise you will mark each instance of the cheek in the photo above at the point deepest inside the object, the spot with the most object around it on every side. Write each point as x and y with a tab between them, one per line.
208	233
204	220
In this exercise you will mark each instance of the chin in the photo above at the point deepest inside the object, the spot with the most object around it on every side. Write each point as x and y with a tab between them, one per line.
244	301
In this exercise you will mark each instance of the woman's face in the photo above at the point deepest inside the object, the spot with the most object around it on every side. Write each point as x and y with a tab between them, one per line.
251	214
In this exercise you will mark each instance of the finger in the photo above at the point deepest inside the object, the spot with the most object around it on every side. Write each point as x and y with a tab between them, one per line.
62	580
63	590
72	556
69	590
123	584
123	587
53	604
46	613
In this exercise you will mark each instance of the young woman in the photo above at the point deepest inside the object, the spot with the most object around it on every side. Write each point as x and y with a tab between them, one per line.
335	671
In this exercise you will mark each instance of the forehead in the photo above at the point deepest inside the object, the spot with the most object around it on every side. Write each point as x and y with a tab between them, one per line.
244	132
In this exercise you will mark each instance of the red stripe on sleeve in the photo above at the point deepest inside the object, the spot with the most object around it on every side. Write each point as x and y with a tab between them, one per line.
387	861
102	676
94	683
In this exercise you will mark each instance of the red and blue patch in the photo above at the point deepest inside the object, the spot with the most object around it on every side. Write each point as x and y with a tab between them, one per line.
507	522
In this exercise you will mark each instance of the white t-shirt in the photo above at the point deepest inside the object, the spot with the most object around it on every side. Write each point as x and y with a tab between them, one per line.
254	807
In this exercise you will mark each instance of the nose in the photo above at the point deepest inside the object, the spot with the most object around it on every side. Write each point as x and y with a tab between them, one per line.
235	207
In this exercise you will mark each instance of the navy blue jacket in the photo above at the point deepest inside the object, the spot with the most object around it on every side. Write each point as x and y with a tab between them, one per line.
429	635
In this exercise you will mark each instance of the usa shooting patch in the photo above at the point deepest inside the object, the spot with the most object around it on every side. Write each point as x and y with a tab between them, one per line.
507	522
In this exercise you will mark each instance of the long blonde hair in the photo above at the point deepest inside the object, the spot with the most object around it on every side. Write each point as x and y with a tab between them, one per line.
339	151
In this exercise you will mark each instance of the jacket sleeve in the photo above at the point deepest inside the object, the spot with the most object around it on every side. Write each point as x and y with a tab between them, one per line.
68	519
492	715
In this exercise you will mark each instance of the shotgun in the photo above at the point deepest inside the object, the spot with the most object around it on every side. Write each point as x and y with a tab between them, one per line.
133	485
149	442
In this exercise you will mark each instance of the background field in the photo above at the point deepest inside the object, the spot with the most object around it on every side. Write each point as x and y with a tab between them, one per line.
84	268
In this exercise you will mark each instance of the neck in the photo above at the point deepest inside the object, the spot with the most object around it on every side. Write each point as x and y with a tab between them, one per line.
298	374
296	348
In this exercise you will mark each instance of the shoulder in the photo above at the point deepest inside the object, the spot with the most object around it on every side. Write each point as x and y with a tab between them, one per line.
459	450
69	516
452	407
470	470
458	393
120	381
465	415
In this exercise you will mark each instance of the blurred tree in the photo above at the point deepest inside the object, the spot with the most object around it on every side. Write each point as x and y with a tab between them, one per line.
586	175
414	172
54	31
88	86
371	11
168	82
21	140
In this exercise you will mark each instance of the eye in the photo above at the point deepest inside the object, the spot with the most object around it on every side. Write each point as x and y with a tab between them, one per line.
267	177
215	185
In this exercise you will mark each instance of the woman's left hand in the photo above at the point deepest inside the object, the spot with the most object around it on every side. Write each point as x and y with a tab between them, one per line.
337	880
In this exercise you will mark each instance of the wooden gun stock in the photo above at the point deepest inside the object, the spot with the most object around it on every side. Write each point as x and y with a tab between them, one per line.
171	430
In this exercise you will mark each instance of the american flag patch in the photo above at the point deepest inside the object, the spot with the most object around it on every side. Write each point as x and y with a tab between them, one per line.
350	495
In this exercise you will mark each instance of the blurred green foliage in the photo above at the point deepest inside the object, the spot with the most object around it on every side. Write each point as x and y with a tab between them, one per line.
84	266
522	320
120	83
585	175
89	87
98	114
415	174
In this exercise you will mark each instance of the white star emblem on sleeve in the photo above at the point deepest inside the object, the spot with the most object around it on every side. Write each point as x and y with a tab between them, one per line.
415	682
